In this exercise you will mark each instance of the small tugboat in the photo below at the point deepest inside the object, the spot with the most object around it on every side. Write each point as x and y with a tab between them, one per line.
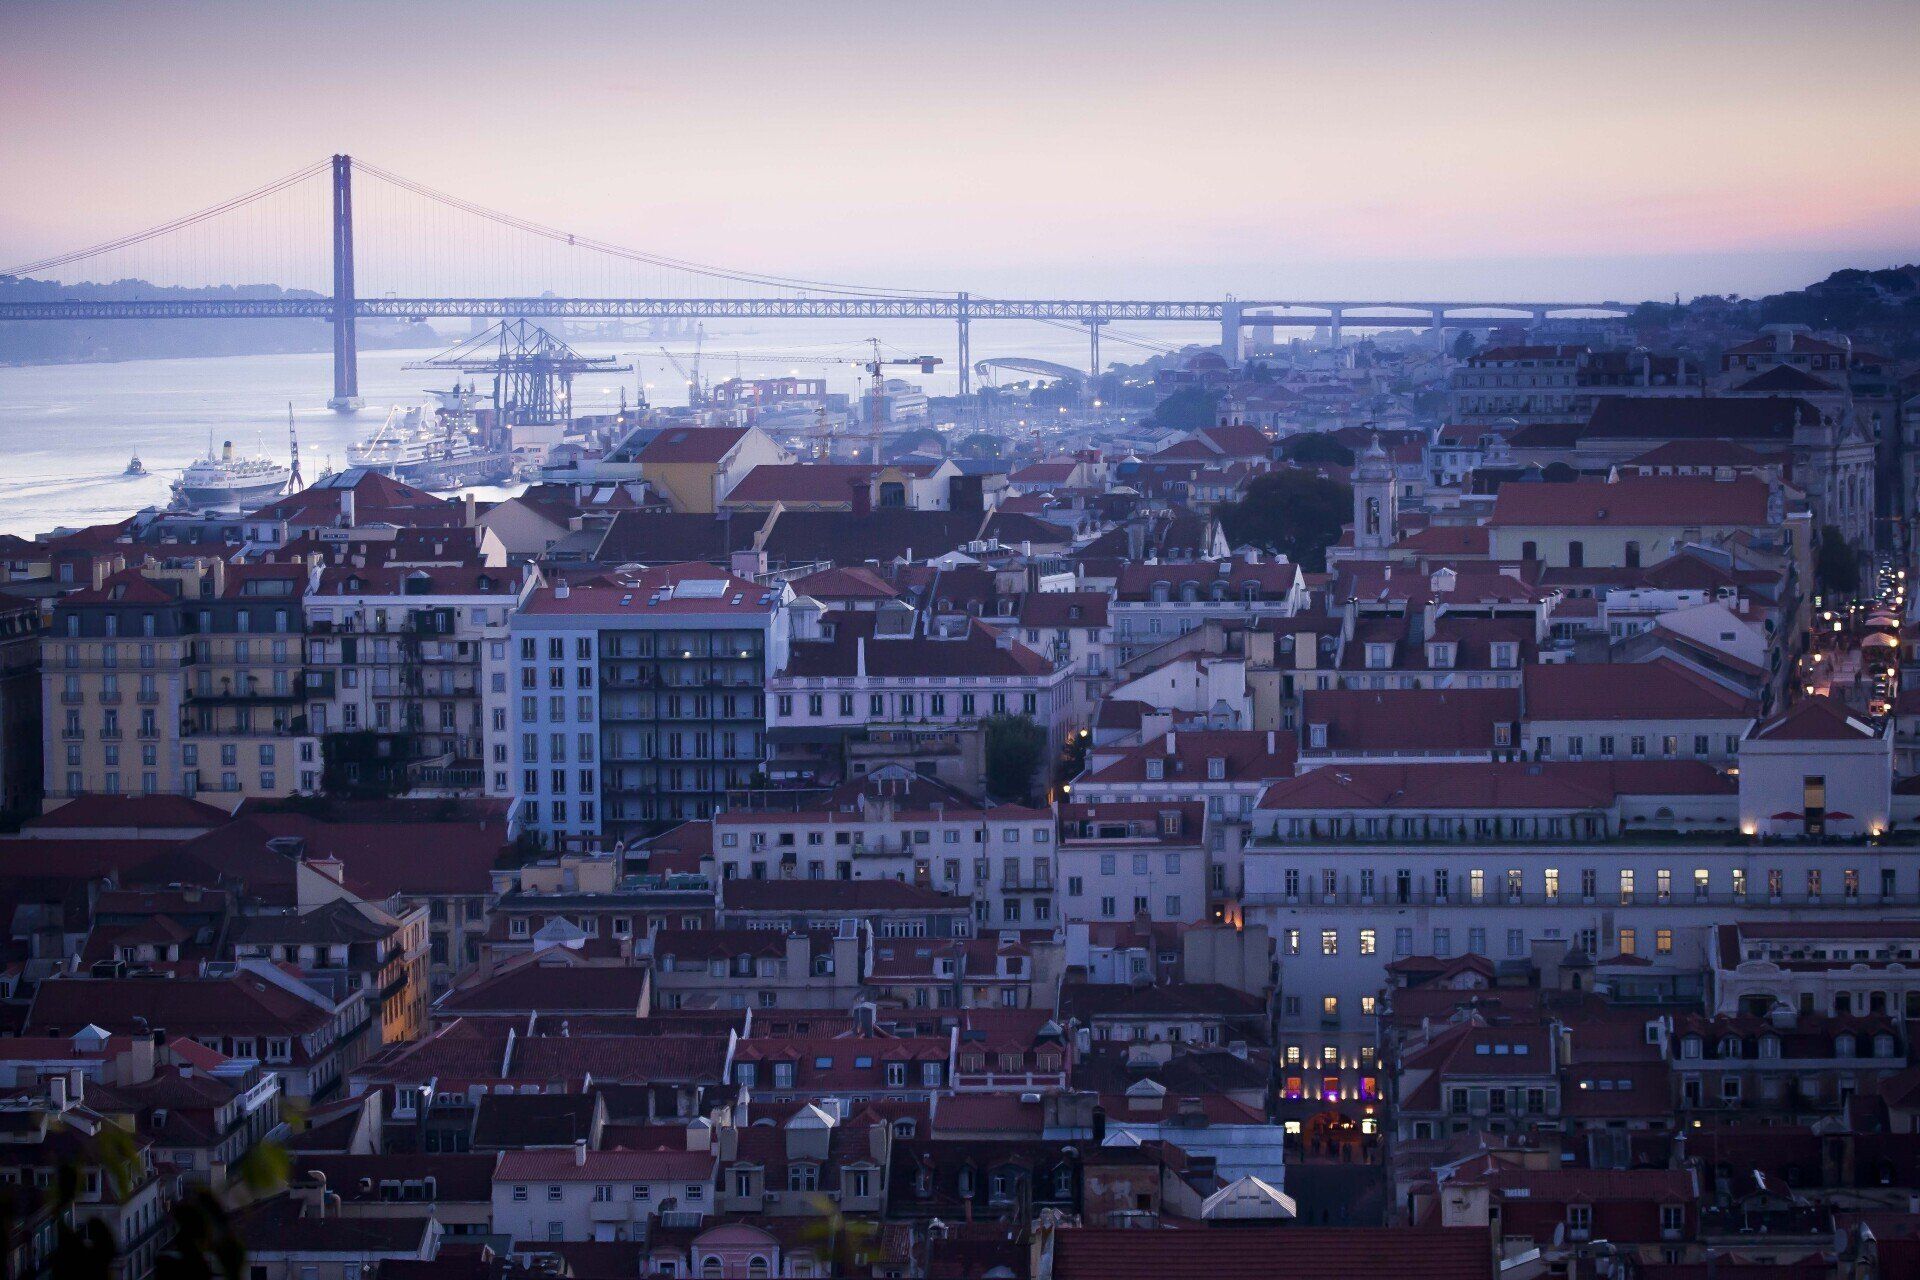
134	468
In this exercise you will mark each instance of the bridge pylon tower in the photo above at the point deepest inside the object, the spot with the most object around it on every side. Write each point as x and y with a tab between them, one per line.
346	352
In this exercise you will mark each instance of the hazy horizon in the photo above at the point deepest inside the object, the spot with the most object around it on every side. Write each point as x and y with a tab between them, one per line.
1624	151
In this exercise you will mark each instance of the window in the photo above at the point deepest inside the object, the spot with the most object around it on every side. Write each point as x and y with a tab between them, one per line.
1663	941
1330	1009
1580	1216
1627	942
1329	942
1368	942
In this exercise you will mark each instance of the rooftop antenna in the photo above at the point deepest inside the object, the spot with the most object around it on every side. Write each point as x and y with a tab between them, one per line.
293	445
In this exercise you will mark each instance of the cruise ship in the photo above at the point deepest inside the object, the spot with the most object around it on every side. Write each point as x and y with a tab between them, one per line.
433	448
226	482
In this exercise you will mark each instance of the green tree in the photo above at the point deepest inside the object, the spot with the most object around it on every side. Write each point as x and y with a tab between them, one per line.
1316	446
1015	747
1293	512
1837	567
1187	409
1463	346
978	445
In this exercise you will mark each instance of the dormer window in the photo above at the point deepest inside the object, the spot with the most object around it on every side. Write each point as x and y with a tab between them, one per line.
1441	655
1506	654
1317	736
1156	770
1216	768
1379	656
1843	1046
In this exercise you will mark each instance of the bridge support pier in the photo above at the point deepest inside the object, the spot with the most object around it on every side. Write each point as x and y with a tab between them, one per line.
965	351
1232	341
1093	354
346	353
1333	327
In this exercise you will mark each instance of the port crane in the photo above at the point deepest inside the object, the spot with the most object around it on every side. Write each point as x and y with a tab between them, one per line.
877	394
695	393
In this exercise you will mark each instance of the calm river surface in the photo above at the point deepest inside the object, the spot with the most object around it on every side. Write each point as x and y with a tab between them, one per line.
67	431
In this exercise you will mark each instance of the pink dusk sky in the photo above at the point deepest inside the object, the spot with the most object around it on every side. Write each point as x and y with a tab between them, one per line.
1618	150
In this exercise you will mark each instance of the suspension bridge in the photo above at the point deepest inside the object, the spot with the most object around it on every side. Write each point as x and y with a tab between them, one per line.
435	251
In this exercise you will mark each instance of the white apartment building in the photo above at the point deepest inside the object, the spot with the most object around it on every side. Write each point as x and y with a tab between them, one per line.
1154	603
1002	857
639	697
858	676
406	673
1226	770
571	1193
1656	710
1132	861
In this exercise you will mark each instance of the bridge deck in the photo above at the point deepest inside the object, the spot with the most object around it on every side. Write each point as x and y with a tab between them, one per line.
1351	314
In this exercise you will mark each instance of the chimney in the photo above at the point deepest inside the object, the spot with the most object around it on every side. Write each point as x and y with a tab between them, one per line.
1269	742
57	1091
561	590
1169	742
579	1151
862	490
346	509
468	511
860	656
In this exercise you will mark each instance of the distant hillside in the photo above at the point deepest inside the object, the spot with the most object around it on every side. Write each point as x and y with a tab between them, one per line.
1883	304
60	342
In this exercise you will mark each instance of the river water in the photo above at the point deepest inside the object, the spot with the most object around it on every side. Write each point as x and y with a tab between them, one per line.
68	431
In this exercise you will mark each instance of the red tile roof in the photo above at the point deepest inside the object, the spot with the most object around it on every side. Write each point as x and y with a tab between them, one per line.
1502	785
1660	689
1814	719
1136	581
854	583
1633	500
129	586
685	588
1273	1253
1064	609
153	813
977	653
558	1165
692	444
1250	754
1369	720
801	482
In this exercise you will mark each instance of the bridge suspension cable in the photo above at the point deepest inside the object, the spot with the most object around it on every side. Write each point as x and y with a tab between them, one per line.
187	220
620	251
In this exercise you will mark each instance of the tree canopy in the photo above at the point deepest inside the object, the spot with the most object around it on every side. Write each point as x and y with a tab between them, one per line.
1293	512
1015	746
1838	567
1316	446
1187	409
